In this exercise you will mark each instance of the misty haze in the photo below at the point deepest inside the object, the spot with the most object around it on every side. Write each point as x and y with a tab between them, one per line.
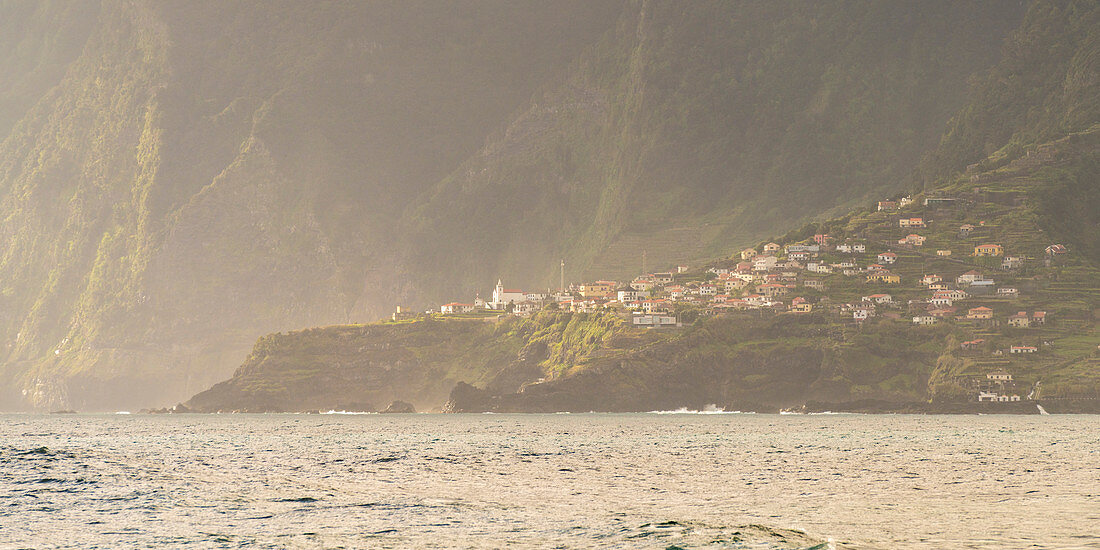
569	274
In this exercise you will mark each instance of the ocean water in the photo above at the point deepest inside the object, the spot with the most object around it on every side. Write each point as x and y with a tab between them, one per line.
549	481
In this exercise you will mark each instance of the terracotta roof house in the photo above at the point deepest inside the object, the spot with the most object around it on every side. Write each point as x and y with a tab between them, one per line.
913	239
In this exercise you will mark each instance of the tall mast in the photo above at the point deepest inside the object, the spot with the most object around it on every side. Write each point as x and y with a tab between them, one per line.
561	283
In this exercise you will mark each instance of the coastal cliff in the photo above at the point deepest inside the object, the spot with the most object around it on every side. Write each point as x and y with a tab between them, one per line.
579	362
366	367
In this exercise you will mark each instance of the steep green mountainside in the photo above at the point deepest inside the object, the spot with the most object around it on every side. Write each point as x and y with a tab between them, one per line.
1044	87
177	180
686	132
1036	186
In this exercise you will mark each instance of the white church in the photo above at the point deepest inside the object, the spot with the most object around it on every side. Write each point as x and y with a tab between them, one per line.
503	296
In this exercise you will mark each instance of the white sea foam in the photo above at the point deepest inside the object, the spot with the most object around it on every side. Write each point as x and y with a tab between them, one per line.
709	409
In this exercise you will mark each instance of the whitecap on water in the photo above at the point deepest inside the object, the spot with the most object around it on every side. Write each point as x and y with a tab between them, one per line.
709	409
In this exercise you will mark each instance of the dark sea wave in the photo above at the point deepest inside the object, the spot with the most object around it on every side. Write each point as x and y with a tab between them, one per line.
549	481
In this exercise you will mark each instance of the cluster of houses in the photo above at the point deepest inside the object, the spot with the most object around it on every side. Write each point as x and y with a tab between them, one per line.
767	279
779	278
993	387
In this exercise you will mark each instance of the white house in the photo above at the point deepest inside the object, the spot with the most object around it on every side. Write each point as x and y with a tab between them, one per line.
455	307
969	277
996	398
929	279
940	300
523	308
756	299
879	298
1012	262
764	263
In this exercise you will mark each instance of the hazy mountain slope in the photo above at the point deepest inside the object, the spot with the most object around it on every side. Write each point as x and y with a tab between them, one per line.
195	177
1046	85
38	40
690	130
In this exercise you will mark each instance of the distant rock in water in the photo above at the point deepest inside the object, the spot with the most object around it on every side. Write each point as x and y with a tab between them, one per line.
400	407
357	407
467	398
178	409
64	411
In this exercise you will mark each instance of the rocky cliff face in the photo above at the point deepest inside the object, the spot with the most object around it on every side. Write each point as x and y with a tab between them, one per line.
175	181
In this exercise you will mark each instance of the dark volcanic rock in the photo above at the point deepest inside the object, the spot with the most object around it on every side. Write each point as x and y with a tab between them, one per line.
466	398
400	407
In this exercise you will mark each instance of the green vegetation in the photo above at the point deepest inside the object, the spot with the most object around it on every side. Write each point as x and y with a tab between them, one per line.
174	181
359	367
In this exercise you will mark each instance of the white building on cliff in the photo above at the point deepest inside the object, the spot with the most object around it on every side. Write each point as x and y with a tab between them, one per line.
503	296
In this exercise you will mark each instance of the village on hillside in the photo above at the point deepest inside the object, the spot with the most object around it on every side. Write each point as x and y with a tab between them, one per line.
924	262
